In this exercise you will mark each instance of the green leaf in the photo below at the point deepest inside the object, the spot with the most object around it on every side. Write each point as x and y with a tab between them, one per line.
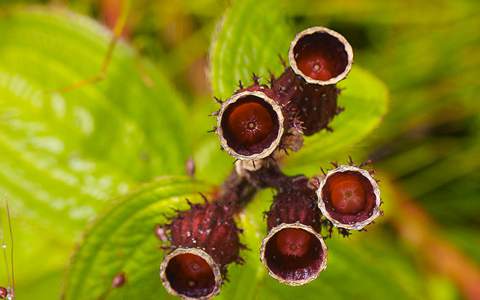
63	154
123	240
251	39
365	100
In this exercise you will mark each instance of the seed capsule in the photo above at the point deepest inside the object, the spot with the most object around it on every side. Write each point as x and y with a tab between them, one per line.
320	55
294	254
205	239
250	124
307	107
349	197
293	251
191	273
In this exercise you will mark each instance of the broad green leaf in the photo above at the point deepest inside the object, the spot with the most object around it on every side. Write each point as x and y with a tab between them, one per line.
123	240
250	40
48	285
251	36
365	100
36	245
63	154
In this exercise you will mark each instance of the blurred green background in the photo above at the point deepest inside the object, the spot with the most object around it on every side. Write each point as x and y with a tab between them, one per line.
59	170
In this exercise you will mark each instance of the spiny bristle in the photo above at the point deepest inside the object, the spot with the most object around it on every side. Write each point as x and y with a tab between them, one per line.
350	160
255	79
205	199
218	100
365	163
272	77
214	129
328	226
323	171
240	261
344	232
282	61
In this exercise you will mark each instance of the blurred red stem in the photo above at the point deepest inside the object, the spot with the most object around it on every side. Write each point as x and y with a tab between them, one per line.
419	231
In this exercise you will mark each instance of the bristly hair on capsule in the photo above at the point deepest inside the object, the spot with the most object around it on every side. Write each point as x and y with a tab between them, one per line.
307	108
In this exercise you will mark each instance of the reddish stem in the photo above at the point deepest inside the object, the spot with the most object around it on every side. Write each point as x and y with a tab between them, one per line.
419	231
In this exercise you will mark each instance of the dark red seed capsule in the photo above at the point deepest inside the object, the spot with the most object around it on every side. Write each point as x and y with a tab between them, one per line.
306	107
205	239
293	251
349	197
294	254
192	273
250	124
296	203
320	55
